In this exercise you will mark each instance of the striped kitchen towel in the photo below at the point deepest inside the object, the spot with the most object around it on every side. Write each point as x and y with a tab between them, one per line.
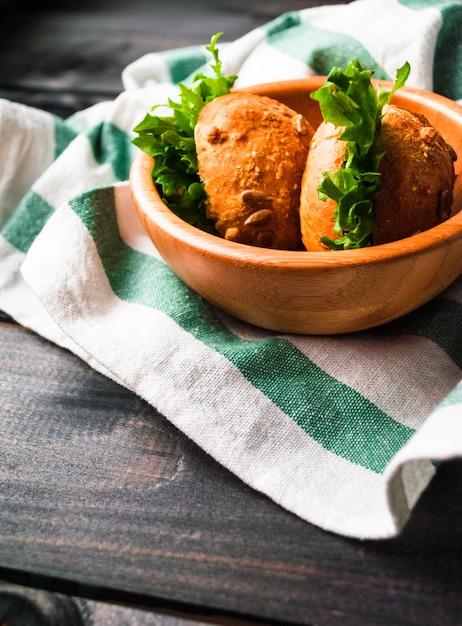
344	431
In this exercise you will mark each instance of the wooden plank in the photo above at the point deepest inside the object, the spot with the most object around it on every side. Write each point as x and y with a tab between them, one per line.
97	488
67	61
100	496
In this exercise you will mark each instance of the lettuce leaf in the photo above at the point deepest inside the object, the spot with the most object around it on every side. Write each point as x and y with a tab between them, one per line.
169	139
349	99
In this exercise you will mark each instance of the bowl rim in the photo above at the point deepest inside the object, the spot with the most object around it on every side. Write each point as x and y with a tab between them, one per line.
144	192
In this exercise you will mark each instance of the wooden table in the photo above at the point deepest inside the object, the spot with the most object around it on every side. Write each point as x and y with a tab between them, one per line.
109	515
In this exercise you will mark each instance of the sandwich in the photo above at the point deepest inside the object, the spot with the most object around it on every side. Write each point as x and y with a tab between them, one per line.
375	172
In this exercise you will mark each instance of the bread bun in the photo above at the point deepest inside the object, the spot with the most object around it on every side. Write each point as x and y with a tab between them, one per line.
251	154
326	154
417	178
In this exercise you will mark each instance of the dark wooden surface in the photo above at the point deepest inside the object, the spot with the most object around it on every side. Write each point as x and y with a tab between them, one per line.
107	505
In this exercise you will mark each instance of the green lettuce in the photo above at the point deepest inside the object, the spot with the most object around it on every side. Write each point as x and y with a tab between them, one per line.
349	99
169	139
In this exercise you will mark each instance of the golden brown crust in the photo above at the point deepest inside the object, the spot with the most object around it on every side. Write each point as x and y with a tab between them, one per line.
326	154
417	177
251	154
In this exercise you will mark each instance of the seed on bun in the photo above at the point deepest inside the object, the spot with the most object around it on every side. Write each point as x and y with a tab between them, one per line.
251	154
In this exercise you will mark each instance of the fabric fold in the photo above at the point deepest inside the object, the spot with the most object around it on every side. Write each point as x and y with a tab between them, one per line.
345	432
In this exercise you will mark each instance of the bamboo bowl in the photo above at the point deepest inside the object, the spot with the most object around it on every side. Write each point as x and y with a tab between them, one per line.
312	292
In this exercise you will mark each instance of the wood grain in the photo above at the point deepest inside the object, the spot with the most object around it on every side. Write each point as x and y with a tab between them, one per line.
63	57
98	493
100	497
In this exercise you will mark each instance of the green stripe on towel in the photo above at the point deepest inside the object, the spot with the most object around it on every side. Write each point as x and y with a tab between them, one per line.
112	145
28	219
336	416
448	50
64	134
184	62
448	53
109	144
321	49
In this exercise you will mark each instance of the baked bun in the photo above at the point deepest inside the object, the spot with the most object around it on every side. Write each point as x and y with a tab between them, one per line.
251	154
417	178
326	154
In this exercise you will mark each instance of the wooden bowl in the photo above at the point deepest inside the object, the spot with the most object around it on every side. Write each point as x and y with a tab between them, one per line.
312	292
